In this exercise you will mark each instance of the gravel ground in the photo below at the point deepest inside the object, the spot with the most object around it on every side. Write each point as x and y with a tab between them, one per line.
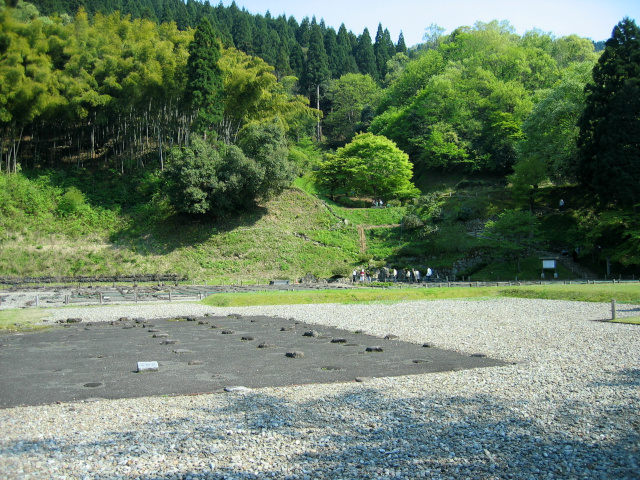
568	406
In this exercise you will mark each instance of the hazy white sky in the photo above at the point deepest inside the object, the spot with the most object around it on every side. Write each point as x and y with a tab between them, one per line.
593	19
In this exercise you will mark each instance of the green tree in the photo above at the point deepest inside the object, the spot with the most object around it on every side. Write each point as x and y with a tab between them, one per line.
381	50
551	130
346	60
513	234
316	70
191	177
254	95
572	49
395	67
528	173
266	145
212	179
365	56
370	165
335	60
413	77
461	106
28	88
204	78
303	33
433	36
617	232
609	151
242	31
296	58
401	46
349	95
215	178
264	44
317	64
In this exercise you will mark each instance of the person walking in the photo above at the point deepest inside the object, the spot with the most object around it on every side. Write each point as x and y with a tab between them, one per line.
429	273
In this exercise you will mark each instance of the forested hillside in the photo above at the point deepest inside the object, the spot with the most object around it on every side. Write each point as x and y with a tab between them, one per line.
189	110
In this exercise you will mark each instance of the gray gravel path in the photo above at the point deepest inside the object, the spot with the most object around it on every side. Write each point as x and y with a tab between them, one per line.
568	407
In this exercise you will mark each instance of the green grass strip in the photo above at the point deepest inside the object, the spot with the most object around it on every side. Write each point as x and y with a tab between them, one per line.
629	320
21	319
581	293
347	296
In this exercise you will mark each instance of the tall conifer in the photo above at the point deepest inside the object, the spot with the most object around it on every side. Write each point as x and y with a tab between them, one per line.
204	77
316	68
609	145
401	46
365	56
381	51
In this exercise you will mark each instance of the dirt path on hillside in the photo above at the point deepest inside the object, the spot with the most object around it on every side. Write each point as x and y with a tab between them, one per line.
362	238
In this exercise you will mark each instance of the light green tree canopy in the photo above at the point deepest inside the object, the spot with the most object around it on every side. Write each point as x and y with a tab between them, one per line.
371	165
253	94
551	130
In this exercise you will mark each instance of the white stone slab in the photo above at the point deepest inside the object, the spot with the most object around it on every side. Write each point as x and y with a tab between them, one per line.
147	367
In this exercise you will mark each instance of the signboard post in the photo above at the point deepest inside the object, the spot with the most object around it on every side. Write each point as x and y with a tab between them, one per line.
549	264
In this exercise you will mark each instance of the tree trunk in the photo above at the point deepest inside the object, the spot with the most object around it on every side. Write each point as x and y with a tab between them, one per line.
319	132
15	148
93	138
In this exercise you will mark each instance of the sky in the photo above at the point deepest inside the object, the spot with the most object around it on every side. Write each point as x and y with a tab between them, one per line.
586	18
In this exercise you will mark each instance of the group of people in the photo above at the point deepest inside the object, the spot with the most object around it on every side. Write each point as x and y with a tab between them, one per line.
410	275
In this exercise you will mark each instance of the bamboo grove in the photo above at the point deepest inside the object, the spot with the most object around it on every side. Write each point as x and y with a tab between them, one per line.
109	92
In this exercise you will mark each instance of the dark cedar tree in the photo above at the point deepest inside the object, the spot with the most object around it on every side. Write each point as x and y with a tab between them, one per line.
609	138
365	57
317	64
401	46
204	77
381	51
316	69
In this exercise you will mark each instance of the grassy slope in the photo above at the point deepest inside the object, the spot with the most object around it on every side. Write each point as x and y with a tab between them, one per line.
288	237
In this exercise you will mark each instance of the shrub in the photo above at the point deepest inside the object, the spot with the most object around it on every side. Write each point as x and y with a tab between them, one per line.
350	203
214	178
412	221
71	202
365	258
467	212
461	185
377	264
427	230
341	271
